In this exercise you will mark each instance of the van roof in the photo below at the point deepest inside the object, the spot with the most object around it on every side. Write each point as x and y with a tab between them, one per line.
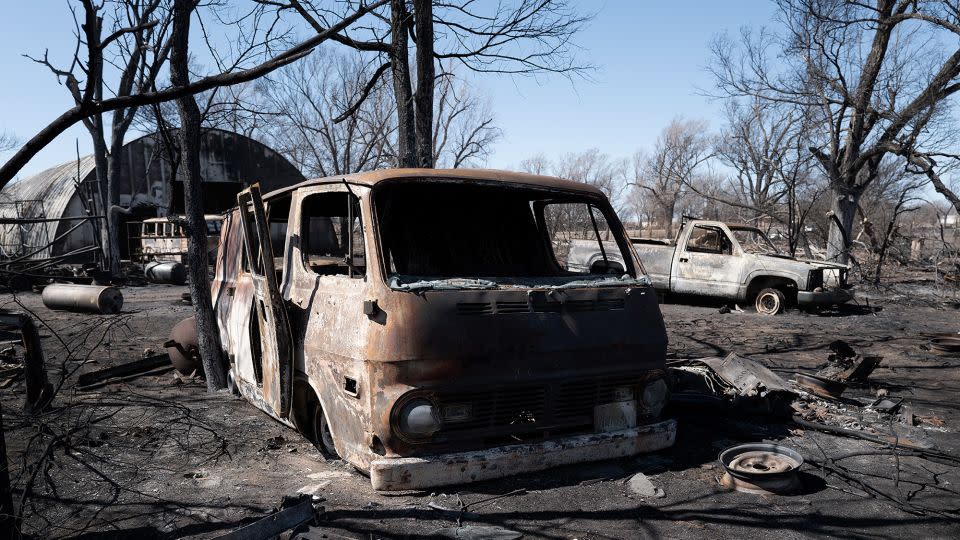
371	178
206	217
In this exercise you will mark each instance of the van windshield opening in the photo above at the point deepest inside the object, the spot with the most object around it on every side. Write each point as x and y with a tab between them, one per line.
480	236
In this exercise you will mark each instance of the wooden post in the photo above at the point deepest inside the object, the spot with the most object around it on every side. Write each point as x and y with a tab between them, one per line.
34	368
39	390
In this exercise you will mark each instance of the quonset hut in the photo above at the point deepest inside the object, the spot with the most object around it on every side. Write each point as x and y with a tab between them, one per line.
149	187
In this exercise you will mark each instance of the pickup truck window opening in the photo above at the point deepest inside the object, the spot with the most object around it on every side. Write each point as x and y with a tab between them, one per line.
331	233
455	231
708	239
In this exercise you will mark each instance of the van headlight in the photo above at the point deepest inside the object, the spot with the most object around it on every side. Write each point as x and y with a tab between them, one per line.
417	418
653	398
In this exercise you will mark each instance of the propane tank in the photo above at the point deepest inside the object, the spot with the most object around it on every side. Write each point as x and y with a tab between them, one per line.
183	347
165	272
88	298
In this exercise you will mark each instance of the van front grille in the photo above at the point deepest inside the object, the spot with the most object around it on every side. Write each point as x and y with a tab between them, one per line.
527	408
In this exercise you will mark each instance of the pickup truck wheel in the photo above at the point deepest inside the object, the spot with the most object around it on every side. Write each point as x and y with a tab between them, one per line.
322	438
770	301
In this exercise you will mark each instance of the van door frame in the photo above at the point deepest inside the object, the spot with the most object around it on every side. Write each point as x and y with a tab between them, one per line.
276	339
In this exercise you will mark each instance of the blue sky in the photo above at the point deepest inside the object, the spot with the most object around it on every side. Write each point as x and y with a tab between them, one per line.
650	57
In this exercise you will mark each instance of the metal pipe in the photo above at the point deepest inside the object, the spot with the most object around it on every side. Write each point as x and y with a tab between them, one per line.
48	244
165	272
86	298
28	221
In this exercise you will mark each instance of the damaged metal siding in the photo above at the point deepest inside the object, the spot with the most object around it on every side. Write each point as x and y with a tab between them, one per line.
228	161
51	193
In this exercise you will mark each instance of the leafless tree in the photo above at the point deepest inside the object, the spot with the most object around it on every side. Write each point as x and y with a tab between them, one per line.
538	164
876	76
305	106
678	158
933	166
895	193
136	47
236	74
303	102
591	167
464	130
773	183
189	134
522	37
756	144
597	169
7	142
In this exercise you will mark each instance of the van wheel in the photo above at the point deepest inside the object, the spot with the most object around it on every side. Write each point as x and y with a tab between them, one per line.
770	301
322	438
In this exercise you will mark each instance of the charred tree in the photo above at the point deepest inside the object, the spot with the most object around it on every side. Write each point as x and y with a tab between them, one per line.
89	107
876	76
426	76
211	350
520	37
135	45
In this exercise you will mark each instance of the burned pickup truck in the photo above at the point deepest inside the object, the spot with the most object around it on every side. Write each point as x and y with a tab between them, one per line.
423	325
734	262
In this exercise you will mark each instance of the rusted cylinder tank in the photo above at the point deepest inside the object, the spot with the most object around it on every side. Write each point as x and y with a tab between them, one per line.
85	298
165	272
183	347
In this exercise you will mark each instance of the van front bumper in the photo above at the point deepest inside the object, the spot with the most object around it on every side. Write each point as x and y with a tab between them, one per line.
391	474
826	297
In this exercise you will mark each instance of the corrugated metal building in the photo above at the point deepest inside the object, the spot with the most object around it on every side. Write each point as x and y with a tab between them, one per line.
229	162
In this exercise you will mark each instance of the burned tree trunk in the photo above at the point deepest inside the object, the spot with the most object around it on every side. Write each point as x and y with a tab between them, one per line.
211	351
844	207
112	244
426	73
400	67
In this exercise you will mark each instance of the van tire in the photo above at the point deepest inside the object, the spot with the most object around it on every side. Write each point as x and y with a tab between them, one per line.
770	301
322	438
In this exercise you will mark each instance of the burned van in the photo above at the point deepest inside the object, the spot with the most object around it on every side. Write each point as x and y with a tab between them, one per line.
422	324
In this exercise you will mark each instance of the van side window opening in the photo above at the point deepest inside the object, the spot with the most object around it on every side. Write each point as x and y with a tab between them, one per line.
705	239
245	262
331	235
450	230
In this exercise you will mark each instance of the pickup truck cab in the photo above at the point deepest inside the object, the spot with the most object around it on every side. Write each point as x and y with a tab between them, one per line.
424	326
735	262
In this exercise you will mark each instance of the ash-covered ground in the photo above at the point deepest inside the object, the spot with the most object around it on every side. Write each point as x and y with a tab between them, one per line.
159	457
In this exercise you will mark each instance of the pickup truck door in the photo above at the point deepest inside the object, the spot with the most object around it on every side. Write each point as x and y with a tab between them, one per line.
275	336
707	263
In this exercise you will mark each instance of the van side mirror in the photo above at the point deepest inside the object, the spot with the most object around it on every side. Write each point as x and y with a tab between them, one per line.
601	266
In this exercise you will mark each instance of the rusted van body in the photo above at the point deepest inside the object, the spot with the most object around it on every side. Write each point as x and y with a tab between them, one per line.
420	324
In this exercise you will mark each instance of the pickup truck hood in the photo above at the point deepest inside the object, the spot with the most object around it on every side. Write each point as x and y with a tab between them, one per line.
803	263
798	269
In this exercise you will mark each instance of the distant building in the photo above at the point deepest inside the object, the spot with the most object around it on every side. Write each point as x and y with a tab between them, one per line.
149	188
